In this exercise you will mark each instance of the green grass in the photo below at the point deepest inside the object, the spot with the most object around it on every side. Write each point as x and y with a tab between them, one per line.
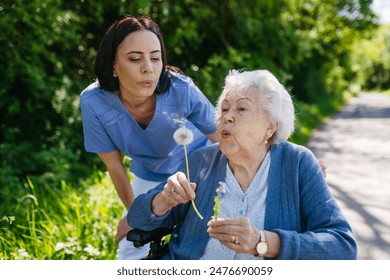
65	222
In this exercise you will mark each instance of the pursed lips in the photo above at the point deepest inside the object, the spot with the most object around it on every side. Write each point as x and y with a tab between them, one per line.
226	133
146	83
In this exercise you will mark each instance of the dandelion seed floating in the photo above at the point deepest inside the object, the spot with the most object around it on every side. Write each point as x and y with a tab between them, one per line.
184	136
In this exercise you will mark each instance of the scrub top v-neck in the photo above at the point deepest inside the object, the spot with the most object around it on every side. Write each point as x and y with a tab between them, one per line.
109	126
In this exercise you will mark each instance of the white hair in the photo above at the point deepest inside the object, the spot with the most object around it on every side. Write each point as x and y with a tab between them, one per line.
274	99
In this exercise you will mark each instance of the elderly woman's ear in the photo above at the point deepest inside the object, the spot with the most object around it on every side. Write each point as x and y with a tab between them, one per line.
272	128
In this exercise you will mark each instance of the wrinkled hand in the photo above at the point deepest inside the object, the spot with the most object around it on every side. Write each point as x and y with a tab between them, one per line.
123	229
177	190
237	234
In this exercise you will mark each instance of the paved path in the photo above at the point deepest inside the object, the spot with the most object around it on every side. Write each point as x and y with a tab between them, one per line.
355	146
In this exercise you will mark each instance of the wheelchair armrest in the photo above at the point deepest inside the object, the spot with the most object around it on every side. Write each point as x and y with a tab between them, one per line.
141	237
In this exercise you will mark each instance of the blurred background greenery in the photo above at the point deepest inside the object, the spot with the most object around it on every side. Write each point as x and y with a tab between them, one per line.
55	201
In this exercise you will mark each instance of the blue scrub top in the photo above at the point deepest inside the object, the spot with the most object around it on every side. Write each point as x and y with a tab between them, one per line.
155	155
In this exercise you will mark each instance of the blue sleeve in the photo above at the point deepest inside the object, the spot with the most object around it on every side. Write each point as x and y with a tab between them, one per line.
141	216
202	112
327	234
96	139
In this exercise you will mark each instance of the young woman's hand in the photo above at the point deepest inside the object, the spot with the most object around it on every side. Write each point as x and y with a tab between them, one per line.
123	229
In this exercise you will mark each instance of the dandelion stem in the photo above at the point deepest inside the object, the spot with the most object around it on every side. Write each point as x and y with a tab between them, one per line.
187	167
188	178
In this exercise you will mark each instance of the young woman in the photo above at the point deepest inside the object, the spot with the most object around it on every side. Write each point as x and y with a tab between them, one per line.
134	107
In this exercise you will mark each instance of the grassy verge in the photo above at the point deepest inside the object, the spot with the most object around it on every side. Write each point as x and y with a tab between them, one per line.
75	223
310	116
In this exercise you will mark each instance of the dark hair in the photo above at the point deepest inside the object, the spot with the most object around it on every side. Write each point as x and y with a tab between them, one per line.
117	32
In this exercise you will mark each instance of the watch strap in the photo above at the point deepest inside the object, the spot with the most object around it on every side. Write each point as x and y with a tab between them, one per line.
262	236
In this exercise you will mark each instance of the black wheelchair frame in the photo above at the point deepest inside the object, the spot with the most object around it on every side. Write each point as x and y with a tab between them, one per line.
158	247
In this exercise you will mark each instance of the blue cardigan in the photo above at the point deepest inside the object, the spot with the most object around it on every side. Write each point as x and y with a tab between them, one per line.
299	207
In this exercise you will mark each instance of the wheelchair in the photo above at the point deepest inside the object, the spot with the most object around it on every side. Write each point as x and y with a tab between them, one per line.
157	238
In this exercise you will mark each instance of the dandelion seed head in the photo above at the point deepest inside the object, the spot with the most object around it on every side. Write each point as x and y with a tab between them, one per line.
183	136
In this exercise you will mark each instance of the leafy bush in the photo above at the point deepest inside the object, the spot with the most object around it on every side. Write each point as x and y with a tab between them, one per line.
371	60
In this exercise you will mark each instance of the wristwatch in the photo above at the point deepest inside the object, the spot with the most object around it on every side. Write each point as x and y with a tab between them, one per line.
262	246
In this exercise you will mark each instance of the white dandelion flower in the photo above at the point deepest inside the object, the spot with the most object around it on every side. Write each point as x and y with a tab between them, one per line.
183	136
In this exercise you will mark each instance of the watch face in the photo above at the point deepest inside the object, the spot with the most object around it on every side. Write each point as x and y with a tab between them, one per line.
262	248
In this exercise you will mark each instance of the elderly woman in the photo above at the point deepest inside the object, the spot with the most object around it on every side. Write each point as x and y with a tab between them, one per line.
275	203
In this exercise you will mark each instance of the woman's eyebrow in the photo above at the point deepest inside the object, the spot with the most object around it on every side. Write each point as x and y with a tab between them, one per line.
139	52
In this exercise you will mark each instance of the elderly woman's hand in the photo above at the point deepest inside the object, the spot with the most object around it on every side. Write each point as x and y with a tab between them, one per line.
237	234
177	190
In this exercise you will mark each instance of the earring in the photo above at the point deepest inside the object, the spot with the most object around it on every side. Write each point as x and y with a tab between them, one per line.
115	75
266	142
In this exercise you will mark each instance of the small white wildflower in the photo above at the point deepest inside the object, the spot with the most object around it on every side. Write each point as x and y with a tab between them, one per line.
183	136
11	219
8	219
22	254
60	246
68	247
92	251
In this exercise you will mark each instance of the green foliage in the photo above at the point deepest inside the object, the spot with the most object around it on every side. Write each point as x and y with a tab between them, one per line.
40	129
325	32
372	60
62	223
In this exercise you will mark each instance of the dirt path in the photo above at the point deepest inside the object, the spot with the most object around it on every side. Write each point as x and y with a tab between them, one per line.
355	146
